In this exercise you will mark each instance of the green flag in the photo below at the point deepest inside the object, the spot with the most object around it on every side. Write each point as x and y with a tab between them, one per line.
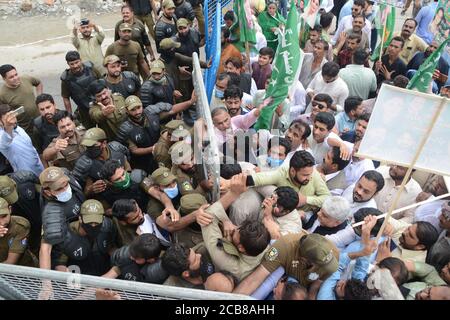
244	19
286	68
385	17
423	76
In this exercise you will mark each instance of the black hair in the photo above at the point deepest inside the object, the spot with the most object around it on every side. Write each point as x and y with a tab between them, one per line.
352	103
222	76
317	28
360	3
297	124
226	32
229	15
4	109
341	163
360	56
145	246
354	36
4	69
72	56
122	207
254	237
376	177
235	79
360	16
326	19
97	86
280	141
267	51
364	212
325	44
411	19
235	61
330	69
426	233
301	159
109	168
232	92
44	97
62	114
399	39
287	197
400	81
357	290
323	97
292	290
229	168
365	117
326	118
176	259
126	6
397	268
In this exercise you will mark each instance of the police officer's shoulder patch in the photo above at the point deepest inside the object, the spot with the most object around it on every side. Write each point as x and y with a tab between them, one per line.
24	242
186	186
272	254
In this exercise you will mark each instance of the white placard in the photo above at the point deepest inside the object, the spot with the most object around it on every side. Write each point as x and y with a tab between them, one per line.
399	120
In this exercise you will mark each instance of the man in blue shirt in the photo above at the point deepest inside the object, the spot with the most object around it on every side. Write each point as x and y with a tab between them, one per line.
16	145
424	18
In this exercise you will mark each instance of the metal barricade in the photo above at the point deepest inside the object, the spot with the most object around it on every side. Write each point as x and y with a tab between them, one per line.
25	283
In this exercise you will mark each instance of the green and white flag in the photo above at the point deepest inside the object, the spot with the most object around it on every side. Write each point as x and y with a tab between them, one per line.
385	17
244	21
286	68
422	78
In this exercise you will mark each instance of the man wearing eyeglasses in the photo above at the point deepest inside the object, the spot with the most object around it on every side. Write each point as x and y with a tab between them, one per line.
346	22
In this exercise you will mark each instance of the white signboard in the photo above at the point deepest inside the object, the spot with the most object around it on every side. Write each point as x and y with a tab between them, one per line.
399	120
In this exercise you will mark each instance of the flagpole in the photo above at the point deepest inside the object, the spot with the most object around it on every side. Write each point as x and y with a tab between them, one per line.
411	165
382	36
247	53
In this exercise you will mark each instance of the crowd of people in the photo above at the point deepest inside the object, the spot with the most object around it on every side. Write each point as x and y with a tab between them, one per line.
108	183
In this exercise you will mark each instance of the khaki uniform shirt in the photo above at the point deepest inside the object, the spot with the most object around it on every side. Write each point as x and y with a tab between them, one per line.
90	49
111	123
224	254
16	241
74	150
316	190
411	47
161	151
131	53
286	253
22	96
125	233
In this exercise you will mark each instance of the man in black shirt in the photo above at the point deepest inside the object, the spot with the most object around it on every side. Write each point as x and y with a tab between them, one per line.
390	65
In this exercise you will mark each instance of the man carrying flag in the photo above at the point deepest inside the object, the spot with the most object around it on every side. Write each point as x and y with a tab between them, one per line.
422	79
247	33
385	23
286	68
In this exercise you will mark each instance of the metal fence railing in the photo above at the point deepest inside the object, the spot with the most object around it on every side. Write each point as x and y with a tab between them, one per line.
25	283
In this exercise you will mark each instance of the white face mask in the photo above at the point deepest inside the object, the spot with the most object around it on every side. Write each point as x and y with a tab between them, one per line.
65	196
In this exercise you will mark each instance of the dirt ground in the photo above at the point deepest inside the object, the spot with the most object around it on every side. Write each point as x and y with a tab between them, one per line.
36	45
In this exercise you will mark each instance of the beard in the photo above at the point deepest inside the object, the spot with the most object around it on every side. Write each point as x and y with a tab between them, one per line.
358	198
301	183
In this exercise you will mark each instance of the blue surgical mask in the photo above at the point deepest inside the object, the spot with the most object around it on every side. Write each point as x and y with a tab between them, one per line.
65	195
218	93
171	192
274	163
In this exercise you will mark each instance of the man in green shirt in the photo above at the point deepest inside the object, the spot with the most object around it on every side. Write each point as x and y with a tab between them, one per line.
300	175
18	91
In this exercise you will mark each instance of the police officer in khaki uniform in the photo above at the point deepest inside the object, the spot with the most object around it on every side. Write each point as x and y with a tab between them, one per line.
65	149
108	111
164	181
191	235
306	257
14	233
161	148
183	166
